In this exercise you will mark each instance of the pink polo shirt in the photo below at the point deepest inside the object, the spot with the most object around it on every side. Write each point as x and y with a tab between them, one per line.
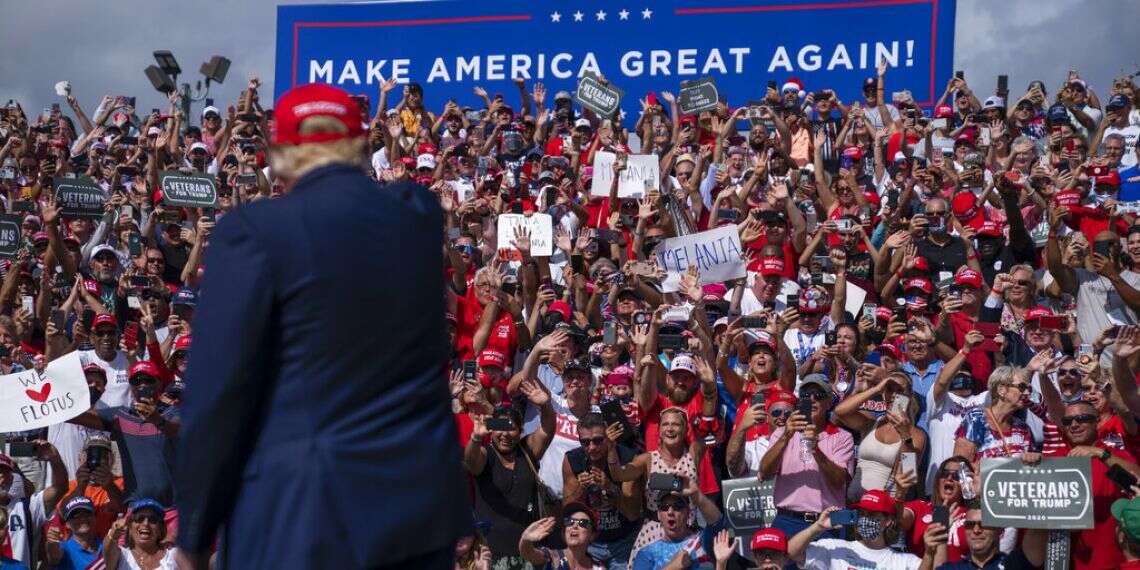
800	486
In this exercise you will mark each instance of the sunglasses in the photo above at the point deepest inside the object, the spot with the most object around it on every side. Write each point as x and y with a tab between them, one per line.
588	441
105	332
1074	372
143	379
935	213
155	260
944	473
676	506
1083	418
569	522
146	518
1022	386
970	525
814	394
780	412
109	258
1022	283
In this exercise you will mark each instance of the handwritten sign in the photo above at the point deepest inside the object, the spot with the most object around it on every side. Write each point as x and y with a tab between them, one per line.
1054	494
640	170
601	98
749	506
10	234
541	233
188	190
80	198
716	253
697	96
31	400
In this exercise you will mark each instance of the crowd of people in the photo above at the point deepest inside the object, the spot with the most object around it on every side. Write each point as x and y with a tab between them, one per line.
991	239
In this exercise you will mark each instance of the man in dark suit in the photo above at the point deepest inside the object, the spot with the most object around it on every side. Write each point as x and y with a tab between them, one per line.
316	431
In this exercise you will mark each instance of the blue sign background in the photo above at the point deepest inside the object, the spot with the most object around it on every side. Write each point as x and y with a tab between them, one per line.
449	47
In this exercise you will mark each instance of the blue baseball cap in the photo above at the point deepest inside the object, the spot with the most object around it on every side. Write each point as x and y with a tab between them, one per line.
184	296
148	503
874	357
1118	102
1058	114
76	504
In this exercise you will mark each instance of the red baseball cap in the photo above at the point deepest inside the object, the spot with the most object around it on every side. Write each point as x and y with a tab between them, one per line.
183	343
891	350
967	136
943	112
883	313
620	376
781	397
811	301
876	501
989	228
920	283
1110	179
771	266
764	341
1067	198
104	319
491	357
314	100
921	264
144	367
562	308
770	539
853	152
969	277
1035	313
92	367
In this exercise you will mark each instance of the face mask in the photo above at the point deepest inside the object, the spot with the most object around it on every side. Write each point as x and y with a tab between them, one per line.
860	271
869	528
95	394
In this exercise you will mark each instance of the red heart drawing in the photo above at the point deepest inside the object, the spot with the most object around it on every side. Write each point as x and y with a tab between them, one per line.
41	395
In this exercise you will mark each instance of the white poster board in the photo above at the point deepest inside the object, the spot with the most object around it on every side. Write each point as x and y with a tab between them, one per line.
30	400
640	169
541	233
716	253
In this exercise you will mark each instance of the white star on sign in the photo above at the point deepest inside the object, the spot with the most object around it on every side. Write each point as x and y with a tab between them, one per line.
624	14
646	13
577	16
601	15
556	17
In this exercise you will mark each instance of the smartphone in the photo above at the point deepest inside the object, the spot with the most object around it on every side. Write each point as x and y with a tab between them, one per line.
510	287
899	405
612	413
131	335
754	322
908	462
960	74
803	407
672	342
499	424
140	281
772	86
516	207
1003	84
823	261
830	338
28	303
641	318
1052	322
845	517
643	268
88	318
609	333
94	456
23	449
470	368
727	214
1116	474
577	263
59	319
843	225
1103	247
757	399
247	179
1084	349
869	311
1097	170
579	462
989	331
665	482
938	123
941	515
134	244
677	313
1070	144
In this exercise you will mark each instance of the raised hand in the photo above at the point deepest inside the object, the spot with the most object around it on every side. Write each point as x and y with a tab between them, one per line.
534	393
723	547
538	530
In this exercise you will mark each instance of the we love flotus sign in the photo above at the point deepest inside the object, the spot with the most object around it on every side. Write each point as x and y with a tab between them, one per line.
32	400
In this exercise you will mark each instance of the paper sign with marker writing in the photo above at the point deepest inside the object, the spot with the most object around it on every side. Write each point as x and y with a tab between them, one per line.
31	400
541	233
640	169
716	253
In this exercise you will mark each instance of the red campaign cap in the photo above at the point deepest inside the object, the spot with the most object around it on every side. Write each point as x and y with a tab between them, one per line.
812	302
876	501
426	148
763	341
691	119
490	357
714	291
408	162
969	277
104	319
40	236
144	367
1068	198
562	308
314	100
967	136
1110	179
965	205
620	376
1035	313
883	313
781	397
989	228
771	266
92	367
853	152
921	264
920	283
770	539
891	350
183	343
943	112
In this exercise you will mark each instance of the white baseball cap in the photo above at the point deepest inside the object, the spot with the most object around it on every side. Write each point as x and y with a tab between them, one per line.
425	160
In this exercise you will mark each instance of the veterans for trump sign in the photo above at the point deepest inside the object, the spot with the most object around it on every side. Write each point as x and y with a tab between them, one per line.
33	400
1056	493
715	253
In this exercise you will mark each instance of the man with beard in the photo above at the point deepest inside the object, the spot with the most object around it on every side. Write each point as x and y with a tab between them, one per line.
675	550
586	479
83	546
983	541
876	516
104	268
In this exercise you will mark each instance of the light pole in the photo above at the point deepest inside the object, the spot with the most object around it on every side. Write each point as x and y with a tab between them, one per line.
164	78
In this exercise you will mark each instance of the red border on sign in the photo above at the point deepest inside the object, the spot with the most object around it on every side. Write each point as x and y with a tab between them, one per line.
680	11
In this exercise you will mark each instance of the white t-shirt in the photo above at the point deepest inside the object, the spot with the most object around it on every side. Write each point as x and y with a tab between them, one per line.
25	518
118	392
749	303
565	438
380	160
69	440
803	345
836	554
1099	306
945	417
753	452
1130	133
127	560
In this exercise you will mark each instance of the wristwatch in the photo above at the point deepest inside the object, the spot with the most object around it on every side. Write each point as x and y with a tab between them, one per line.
1105	455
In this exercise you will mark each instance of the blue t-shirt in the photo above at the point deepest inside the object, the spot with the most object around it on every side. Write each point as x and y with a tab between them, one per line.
147	454
9	564
75	557
1130	184
656	555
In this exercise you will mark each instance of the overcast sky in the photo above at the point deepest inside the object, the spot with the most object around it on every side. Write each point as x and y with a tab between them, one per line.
102	47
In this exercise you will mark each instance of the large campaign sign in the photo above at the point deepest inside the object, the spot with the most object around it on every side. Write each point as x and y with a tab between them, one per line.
450	47
32	399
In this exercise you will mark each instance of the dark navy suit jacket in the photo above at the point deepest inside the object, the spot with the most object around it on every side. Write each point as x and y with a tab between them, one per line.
316	431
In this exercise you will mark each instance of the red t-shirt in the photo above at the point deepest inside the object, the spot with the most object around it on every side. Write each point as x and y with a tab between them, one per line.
692	409
503	337
923	515
791	258
980	365
1095	548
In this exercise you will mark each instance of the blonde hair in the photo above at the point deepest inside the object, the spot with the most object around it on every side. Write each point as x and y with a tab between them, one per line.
293	161
1001	376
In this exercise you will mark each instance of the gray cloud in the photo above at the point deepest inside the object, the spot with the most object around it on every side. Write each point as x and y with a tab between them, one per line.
103	47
